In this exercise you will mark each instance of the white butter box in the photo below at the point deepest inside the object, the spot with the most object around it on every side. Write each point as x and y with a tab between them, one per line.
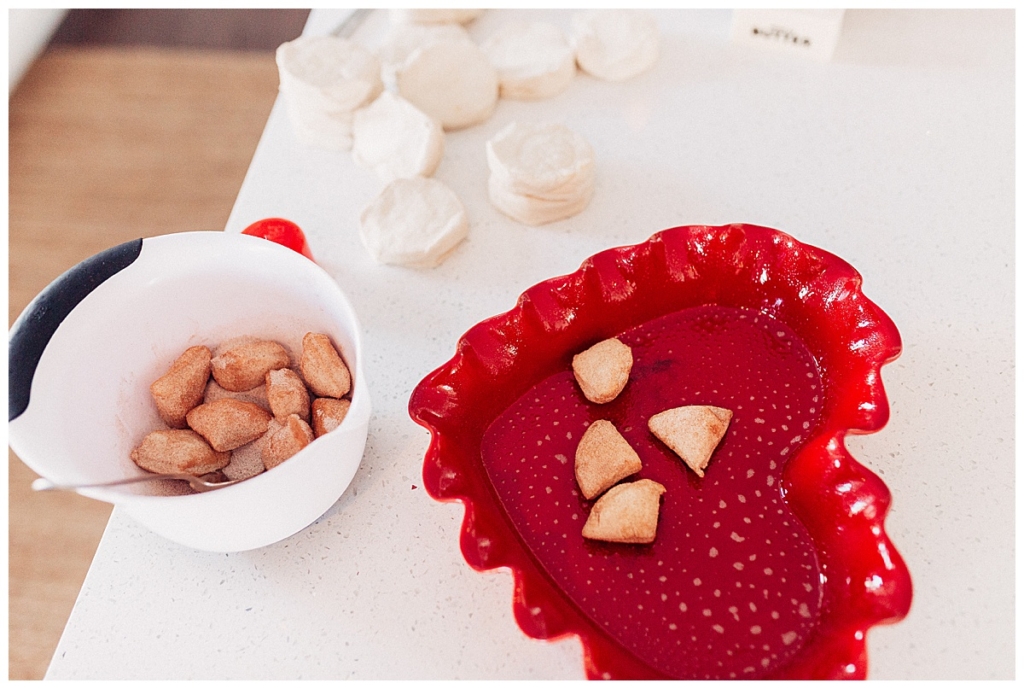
807	33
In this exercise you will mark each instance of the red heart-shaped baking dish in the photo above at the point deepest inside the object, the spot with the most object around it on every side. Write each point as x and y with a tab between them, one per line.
776	563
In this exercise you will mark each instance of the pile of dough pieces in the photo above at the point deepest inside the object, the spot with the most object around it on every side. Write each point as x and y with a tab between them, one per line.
243	408
628	512
392	109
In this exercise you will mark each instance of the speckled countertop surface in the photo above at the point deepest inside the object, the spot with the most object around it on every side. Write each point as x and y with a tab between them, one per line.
898	156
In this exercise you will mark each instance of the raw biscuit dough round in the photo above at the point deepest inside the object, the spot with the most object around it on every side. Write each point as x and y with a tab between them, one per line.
337	73
452	81
423	15
414	222
396	139
539	158
534	59
533	211
614	44
403	40
540	173
323	80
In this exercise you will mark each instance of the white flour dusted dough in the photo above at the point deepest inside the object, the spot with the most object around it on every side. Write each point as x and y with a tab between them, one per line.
414	222
323	80
452	81
539	157
534	59
320	130
404	39
432	16
339	73
540	173
533	211
396	139
614	44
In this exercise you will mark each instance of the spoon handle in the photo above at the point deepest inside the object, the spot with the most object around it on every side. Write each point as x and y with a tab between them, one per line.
43	484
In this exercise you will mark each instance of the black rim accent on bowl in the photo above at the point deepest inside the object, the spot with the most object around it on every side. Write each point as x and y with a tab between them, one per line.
34	328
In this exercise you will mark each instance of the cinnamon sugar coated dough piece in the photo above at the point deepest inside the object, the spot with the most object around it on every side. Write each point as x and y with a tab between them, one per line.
396	139
287	394
414	222
247	460
244	365
602	371
692	432
324	79
534	59
178	452
228	423
452	81
328	414
182	387
322	367
603	458
422	15
258	395
627	513
615	44
293	435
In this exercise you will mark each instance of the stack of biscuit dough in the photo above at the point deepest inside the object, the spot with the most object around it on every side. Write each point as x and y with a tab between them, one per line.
540	173
324	80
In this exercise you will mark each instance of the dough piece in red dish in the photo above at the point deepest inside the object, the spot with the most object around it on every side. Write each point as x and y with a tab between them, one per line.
627	513
603	458
692	432
603	370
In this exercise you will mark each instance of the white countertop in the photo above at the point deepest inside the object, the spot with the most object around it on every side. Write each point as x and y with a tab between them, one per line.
898	155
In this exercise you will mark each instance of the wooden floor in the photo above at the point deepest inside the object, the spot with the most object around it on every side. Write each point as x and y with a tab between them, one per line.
107	145
169	28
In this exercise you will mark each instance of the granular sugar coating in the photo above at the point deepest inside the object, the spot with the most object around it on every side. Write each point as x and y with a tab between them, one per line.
731	586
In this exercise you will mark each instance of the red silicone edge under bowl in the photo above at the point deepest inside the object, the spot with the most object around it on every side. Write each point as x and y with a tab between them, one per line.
842	503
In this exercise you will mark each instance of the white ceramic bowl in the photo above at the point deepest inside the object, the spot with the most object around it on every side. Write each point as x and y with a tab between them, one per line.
107	328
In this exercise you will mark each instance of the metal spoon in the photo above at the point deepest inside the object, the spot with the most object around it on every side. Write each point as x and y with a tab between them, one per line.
200	484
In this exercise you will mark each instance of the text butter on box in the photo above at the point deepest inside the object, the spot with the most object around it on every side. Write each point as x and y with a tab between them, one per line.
808	33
